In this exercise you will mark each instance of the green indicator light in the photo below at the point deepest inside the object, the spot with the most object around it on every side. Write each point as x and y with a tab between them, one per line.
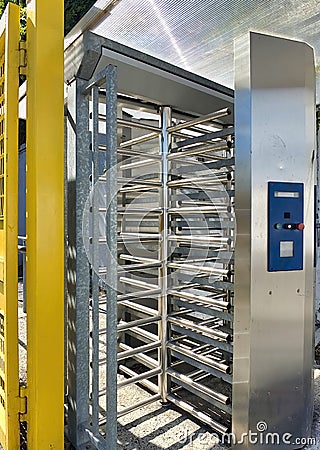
278	226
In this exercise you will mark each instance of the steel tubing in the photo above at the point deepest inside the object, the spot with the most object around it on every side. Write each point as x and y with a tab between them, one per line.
138	283
201	269
136	153
139	405
196	151
198	414
139	377
145	383
211	332
201	388
138	125
224	368
200	298
202	119
141	308
140	357
142	349
139	140
199	210
202	239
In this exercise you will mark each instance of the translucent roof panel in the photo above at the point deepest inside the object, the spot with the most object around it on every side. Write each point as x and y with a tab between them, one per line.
198	35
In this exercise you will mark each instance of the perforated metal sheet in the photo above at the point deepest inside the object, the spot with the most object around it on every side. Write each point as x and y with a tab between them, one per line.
199	35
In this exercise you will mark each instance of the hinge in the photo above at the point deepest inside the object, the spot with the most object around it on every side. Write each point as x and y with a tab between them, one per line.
23	404
22	58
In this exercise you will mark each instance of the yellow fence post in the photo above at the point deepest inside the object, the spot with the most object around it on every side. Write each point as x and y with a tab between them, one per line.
9	92
45	227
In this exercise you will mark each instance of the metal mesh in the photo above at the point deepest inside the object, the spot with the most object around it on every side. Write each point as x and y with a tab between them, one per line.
199	36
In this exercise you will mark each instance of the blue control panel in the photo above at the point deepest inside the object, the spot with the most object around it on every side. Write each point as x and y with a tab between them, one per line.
285	226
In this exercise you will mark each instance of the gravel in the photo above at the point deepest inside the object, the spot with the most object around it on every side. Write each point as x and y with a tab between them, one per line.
155	427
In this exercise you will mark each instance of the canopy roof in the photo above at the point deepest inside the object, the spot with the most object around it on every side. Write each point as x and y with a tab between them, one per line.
198	35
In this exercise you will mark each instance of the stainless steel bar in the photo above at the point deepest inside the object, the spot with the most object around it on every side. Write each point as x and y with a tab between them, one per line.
140	235
138	283
139	259
135	181
215	209
197	151
194	362
139	181
209	393
136	153
200	298
145	383
140	357
124	326
140	294
140	377
201	239
178	349
138	164
202	309
200	329
199	415
142	349
142	335
207	118
138	125
139	140
138	188
141	308
199	269
111	278
139	405
198	180
136	267
225	133
196	336
137	211
165	143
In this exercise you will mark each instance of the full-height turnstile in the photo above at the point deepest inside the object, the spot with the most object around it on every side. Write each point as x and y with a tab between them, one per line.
156	296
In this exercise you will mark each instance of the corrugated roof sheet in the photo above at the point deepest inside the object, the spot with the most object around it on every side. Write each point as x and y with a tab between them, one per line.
198	35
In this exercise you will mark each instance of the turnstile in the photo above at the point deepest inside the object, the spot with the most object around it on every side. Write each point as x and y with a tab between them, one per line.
159	195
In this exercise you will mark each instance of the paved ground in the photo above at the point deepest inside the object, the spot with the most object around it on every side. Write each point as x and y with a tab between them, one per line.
156	428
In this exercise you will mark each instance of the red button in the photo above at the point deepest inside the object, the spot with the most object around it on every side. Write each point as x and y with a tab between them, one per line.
300	226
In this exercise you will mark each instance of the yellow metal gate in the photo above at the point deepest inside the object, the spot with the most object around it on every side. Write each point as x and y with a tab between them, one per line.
9	89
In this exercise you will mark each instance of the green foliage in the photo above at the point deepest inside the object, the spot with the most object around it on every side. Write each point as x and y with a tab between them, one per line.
23	14
73	11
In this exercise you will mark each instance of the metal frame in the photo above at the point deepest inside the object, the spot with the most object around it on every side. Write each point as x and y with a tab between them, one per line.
274	310
144	329
9	372
176	314
45	225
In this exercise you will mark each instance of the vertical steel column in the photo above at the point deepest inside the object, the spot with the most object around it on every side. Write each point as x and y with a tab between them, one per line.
163	310
79	171
45	225
275	127
317	237
95	261
112	273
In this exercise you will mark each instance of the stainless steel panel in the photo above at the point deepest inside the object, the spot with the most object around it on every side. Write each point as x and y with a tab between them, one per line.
275	141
